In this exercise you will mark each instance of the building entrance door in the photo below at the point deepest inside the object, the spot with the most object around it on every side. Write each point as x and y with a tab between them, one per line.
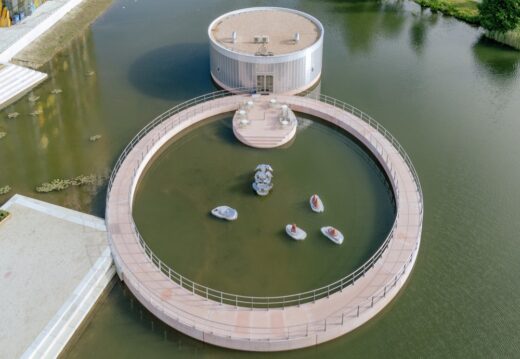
264	83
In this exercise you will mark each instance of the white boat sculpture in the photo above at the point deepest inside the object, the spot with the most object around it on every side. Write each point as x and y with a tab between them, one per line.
333	234
316	203
295	232
263	177
262	189
264	168
225	212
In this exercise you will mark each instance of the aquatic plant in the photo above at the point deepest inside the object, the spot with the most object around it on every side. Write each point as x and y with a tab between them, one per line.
33	98
94	138
12	115
36	113
3	134
5	190
56	91
59	184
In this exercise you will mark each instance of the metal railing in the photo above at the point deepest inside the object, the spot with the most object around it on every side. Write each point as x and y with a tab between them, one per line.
258	301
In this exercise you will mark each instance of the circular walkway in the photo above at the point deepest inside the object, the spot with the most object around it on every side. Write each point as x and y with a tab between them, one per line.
264	323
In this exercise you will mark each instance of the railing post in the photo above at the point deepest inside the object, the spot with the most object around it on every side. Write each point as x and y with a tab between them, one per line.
358	311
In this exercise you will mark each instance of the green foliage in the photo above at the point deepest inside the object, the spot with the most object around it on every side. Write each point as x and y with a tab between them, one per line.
5	190
3	215
61	184
499	15
463	10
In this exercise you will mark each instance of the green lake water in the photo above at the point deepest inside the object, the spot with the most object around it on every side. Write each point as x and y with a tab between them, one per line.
253	255
449	96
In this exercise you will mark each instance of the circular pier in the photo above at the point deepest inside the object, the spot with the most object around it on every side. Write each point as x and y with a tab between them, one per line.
264	323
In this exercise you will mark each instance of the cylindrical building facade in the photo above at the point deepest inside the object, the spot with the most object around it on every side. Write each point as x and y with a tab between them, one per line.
270	49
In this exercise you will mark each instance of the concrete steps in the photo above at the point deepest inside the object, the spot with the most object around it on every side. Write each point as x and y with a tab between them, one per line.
15	81
266	141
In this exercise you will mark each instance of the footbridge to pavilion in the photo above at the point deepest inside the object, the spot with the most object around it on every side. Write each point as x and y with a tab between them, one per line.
264	323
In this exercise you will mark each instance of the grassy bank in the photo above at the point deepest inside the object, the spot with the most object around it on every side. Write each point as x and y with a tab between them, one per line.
511	38
60	35
465	10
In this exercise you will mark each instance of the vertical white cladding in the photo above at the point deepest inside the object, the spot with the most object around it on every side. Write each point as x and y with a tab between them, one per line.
292	73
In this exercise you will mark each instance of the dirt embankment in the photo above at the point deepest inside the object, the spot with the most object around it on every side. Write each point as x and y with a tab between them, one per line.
43	49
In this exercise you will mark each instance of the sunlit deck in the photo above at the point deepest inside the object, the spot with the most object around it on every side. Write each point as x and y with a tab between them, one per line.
264	123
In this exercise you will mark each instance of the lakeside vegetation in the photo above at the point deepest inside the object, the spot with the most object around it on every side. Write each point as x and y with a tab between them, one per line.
511	38
468	11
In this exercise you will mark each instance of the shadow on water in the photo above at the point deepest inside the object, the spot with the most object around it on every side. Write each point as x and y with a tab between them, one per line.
175	72
499	61
366	20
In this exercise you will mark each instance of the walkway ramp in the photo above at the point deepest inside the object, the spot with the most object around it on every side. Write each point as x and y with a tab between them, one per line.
16	81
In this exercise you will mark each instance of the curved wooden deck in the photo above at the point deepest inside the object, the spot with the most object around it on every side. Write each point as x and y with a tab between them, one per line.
265	329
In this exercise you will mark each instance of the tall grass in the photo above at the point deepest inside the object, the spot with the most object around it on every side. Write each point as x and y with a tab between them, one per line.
511	38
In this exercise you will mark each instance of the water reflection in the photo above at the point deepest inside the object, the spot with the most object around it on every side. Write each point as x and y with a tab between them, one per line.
50	137
172	72
418	33
500	62
366	20
394	18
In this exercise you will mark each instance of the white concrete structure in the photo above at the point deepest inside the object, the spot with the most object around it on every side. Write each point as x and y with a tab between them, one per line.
264	323
54	265
275	50
16	81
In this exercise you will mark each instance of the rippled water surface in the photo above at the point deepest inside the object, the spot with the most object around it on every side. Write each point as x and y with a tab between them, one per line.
449	96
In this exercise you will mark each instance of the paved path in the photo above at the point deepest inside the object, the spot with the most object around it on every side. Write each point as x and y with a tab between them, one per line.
263	127
16	81
13	39
259	329
54	264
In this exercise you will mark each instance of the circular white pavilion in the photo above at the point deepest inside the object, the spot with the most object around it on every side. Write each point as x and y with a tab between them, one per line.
270	49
